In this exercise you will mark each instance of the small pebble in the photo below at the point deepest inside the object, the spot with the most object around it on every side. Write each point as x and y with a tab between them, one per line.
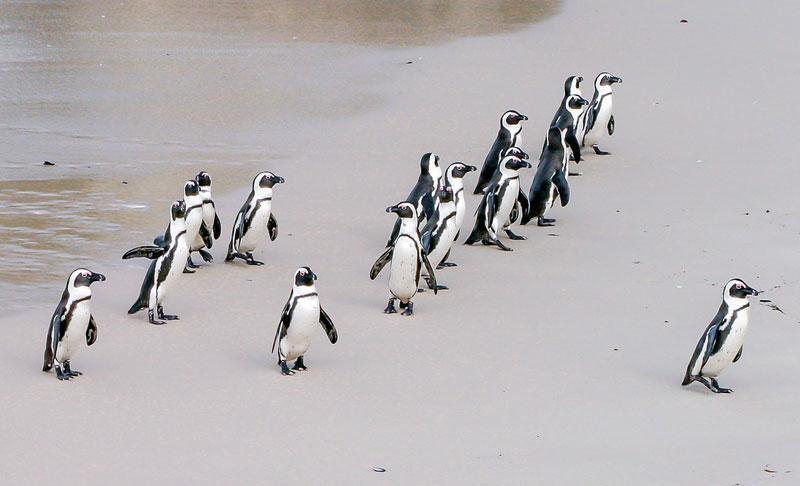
48	163
684	21
379	469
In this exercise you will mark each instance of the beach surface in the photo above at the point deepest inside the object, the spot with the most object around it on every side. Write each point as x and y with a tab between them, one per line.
557	363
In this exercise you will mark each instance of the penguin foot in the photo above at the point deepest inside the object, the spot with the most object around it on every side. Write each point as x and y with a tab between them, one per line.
390	309
445	265
63	376
151	316
500	245
70	371
418	290
514	236
186	270
546	222
190	264
285	369
206	256
166	317
575	174
718	389
598	151
299	365
252	261
409	309
430	286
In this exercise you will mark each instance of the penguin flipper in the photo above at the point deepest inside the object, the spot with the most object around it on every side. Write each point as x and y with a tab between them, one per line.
521	208
272	227
572	141
611	125
206	236
327	324
738	355
53	337
429	269
283	325
562	185
704	347
381	262
91	331
146	251
217	225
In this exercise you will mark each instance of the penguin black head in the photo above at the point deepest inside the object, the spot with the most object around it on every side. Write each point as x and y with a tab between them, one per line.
178	210
511	118
737	289
191	188
516	152
304	277
606	79
459	170
403	210
429	161
514	163
572	85
84	278
446	194
266	180
203	179
575	102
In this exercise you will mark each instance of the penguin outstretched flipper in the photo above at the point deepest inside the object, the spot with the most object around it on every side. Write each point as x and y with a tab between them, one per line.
381	262
146	251
272	227
327	324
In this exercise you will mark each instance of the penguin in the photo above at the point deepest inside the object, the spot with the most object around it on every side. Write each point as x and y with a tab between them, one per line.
508	136
407	257
255	215
194	219
300	315
441	230
550	180
169	259
424	193
566	118
522	205
72	322
454	179
721	343
498	201
211	228
599	117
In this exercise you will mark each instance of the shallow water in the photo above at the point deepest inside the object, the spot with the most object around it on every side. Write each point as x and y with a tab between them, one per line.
113	91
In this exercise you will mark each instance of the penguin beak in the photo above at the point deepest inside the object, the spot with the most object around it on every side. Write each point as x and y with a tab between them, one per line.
97	277
615	79
584	101
313	276
751	291
522	117
279	180
523	165
470	168
392	209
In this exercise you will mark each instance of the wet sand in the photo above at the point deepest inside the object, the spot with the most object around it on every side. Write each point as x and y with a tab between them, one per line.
559	363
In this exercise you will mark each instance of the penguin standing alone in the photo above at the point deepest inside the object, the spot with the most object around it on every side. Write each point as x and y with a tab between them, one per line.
424	194
299	318
550	180
407	257
454	179
498	201
599	117
169	260
508	136
253	218
72	322
211	228
722	342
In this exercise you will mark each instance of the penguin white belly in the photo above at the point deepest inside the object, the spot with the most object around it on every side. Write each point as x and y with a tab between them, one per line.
601	123
208	213
177	265
506	205
461	209
403	270
72	340
446	240
193	221
305	319
730	348
258	228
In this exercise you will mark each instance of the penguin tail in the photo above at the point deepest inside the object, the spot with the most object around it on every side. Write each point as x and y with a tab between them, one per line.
48	361
136	307
473	238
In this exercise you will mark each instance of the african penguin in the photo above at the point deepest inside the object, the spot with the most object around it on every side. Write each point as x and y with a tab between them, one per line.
566	118
254	217
550	180
194	218
71	324
508	136
299	318
407	257
423	195
721	343
454	179
440	231
498	201
211	228
521	206
599	117
169	259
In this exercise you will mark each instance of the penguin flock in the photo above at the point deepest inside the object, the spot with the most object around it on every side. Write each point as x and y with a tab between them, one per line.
428	224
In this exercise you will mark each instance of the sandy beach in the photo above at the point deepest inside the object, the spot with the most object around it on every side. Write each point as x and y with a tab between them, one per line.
558	363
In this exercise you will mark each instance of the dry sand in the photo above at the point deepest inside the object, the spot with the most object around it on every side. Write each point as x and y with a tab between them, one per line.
559	363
